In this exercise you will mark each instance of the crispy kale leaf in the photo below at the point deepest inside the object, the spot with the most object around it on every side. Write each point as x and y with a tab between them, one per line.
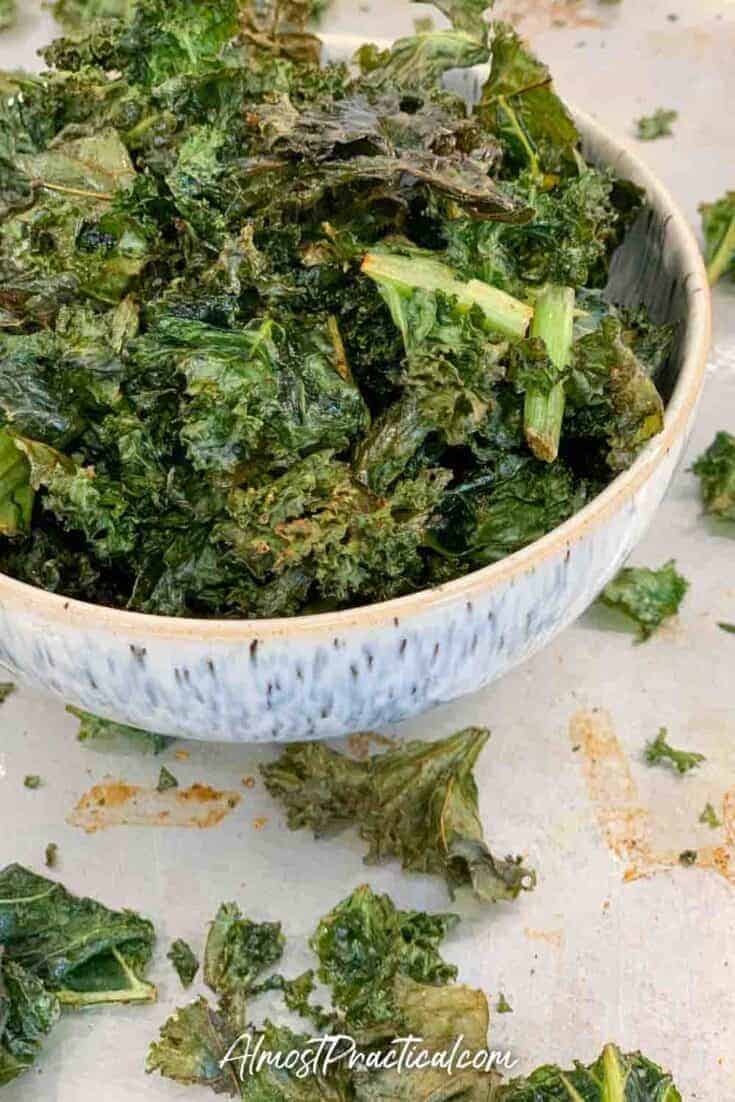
614	1077
81	950
28	1012
364	944
106	732
184	961
657	125
647	596
501	510
520	105
716	471
659	751
417	802
718	225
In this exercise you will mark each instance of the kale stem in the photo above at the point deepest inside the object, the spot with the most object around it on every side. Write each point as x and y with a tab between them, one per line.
544	410
399	275
81	192
522	137
721	258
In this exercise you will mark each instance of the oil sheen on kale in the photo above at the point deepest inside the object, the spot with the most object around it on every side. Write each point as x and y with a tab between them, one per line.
278	338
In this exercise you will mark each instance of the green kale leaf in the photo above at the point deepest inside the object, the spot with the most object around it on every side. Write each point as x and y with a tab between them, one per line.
614	1077
81	950
659	751
106	733
499	511
6	688
28	1013
657	125
417	802
718	225
519	104
364	944
647	596
710	817
716	471
184	961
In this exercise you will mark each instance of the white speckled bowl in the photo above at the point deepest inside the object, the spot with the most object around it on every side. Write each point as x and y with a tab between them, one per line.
326	675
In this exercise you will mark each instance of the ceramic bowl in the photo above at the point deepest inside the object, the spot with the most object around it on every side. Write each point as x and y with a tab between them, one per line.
326	675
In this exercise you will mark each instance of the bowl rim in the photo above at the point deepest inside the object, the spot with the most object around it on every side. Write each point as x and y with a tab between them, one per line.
57	609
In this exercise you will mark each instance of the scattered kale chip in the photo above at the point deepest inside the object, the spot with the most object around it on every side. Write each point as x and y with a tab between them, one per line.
657	125
647	596
718	225
81	950
28	1012
386	980
614	1077
184	961
417	802
278	337
51	855
716	471
106	733
658	751
32	780
730	628
58	950
6	688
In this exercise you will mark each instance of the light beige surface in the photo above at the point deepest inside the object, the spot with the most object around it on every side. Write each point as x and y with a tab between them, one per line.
588	957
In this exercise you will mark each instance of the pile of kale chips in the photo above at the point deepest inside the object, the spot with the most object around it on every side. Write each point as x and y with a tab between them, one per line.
278	337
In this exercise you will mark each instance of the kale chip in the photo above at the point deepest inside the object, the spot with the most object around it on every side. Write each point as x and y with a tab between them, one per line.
417	802
613	1077
279	337
647	596
718	224
716	471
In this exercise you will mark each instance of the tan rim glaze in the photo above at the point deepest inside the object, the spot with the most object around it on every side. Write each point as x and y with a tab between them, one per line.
53	607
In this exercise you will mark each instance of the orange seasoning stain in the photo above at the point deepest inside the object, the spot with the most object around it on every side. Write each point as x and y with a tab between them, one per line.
625	824
260	822
182	755
248	782
555	938
116	803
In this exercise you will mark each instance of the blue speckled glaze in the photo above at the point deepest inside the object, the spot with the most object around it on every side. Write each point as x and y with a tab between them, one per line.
323	676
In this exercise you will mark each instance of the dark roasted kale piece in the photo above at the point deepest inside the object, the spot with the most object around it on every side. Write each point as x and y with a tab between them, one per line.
184	961
417	802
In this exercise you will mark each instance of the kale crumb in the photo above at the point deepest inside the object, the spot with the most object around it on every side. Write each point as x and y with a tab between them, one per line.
32	781
6	688
184	961
710	817
730	628
503	1006
657	125
166	780
51	855
658	751
688	858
